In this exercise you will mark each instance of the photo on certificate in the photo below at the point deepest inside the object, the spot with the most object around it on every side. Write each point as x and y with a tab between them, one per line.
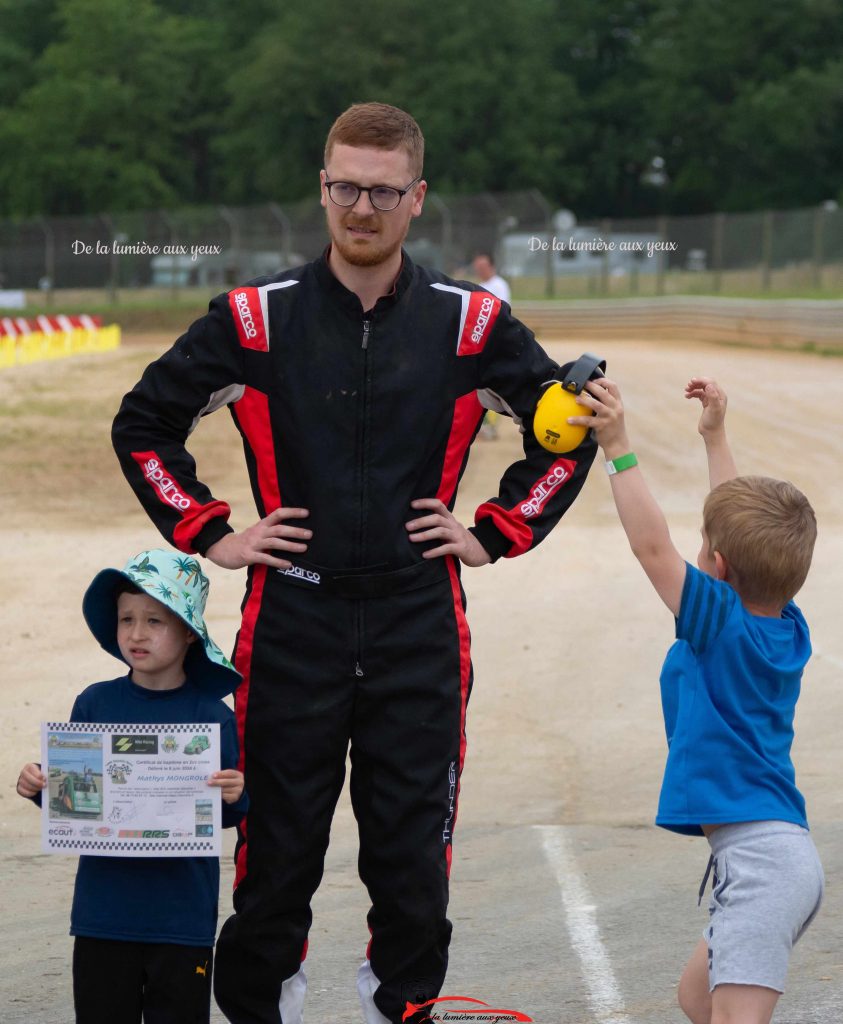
131	790
74	774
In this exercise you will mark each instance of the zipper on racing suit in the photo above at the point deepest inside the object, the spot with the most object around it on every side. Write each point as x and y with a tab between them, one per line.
364	491
363	440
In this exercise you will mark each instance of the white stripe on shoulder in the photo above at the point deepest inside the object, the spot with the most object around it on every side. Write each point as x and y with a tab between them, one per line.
225	396
263	291
464	294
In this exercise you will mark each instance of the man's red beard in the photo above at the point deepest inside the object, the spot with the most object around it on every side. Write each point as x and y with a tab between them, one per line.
367	253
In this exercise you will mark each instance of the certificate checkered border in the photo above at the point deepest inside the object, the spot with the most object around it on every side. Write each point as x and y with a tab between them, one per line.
129	730
102	844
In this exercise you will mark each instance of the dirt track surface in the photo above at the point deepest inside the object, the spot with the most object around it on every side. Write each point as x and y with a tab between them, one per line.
566	744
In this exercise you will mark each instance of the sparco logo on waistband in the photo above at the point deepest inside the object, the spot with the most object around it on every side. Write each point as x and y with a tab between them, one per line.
559	473
169	492
302	574
246	319
482	319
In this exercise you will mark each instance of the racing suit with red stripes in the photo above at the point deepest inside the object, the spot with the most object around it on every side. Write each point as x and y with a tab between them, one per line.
350	414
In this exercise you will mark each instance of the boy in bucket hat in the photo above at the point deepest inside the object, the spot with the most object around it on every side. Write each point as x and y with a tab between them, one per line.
145	926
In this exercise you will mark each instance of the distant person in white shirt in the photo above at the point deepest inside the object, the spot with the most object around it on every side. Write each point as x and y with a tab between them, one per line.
484	270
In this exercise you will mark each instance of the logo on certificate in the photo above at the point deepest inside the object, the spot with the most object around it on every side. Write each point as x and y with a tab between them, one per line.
134	744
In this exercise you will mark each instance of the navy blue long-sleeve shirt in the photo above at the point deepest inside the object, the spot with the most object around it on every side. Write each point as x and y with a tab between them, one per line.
153	899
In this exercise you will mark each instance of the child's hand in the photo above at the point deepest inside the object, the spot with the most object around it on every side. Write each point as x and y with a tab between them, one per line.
230	781
31	780
604	397
713	399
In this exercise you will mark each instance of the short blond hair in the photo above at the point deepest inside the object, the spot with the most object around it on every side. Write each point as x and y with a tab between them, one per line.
765	529
378	126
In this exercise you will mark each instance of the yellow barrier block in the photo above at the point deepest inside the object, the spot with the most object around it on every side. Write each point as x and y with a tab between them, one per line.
31	348
37	347
7	352
108	338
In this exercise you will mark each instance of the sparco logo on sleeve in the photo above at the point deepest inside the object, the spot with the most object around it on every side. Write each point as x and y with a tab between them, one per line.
559	473
241	300
154	473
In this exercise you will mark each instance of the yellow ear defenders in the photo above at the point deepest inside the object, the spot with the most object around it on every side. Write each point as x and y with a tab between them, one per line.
550	422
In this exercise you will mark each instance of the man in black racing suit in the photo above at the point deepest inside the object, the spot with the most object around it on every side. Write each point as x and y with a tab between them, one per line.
358	383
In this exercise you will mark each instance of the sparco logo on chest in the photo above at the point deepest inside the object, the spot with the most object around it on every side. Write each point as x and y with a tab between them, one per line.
246	319
543	490
486	308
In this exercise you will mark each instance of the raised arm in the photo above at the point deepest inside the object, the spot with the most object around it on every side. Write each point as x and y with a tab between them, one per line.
712	427
642	519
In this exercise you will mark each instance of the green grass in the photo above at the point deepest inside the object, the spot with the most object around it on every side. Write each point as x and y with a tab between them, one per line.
64	410
135	311
162	310
785	293
808	348
734	285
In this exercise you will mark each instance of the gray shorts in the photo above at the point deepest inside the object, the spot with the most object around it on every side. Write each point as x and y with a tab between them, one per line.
768	886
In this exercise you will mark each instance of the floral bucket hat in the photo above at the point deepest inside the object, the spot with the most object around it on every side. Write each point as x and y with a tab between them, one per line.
178	583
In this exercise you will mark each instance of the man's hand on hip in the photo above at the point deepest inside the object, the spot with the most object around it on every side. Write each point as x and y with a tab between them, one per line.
257	544
441	525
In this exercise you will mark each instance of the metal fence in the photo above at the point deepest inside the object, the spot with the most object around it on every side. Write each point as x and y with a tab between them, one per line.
544	252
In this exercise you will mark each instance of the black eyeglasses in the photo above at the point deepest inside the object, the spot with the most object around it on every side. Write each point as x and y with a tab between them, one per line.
382	197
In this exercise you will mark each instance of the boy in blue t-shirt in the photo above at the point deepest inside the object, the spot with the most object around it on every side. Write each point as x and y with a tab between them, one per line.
145	926
729	689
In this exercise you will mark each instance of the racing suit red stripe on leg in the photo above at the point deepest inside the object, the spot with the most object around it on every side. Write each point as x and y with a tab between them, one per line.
251	414
243	663
468	415
465	687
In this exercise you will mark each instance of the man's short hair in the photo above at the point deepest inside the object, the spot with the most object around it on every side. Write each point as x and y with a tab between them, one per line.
378	126
765	529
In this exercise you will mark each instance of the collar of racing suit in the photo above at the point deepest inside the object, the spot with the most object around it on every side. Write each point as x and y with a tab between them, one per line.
349	299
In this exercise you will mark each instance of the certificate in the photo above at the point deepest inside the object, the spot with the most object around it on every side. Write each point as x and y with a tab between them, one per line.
130	790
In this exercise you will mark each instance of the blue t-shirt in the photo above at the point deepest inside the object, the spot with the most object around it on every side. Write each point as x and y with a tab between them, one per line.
153	899
729	687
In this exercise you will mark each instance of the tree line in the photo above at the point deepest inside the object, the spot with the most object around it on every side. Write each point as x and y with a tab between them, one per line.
609	107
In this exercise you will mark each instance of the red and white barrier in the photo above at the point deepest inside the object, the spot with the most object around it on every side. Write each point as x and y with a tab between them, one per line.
25	340
13	327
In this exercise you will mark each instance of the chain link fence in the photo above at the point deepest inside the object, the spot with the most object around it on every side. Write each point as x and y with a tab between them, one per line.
544	252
